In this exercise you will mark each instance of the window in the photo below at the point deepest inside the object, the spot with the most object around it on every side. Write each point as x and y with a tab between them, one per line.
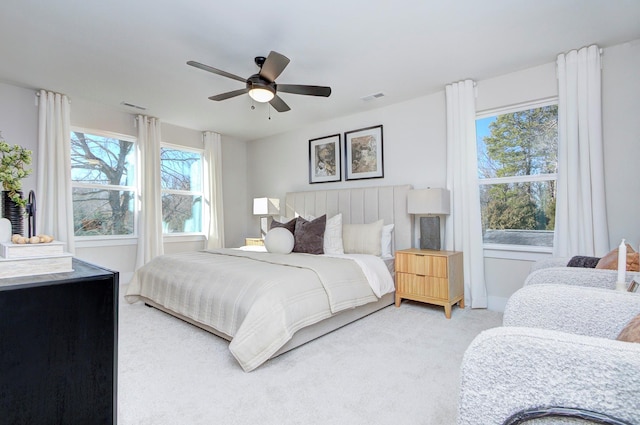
182	194
103	184
517	166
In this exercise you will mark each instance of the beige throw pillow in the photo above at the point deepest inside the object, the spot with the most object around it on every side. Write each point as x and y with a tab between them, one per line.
610	261
362	238
631	332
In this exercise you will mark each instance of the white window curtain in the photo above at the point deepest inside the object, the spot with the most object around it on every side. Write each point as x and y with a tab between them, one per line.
214	225
54	209
581	217
150	197
463	230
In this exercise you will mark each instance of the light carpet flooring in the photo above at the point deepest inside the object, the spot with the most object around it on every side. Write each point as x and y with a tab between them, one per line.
396	366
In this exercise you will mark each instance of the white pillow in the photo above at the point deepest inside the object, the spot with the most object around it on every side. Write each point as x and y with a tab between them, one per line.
333	235
385	241
279	240
363	238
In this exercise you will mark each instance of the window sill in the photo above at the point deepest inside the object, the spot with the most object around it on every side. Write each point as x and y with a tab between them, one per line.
96	242
182	237
517	252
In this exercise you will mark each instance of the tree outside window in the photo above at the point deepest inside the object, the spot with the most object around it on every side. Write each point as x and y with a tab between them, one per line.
517	166
181	176
103	184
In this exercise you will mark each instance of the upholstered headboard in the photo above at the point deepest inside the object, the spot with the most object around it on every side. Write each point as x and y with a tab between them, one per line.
358	206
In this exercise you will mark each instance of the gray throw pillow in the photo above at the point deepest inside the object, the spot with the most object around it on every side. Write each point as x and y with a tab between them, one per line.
309	235
582	261
289	225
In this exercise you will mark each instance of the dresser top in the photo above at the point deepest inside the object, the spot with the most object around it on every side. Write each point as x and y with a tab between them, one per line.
81	271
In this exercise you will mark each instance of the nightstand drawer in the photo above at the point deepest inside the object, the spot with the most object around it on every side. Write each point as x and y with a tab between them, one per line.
423	265
254	241
422	286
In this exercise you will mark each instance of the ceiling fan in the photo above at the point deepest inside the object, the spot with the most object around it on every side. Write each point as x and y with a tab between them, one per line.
262	86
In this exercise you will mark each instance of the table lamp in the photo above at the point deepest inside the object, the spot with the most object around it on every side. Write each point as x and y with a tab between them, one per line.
432	203
265	207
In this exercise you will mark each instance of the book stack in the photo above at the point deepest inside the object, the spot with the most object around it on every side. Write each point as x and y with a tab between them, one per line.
33	259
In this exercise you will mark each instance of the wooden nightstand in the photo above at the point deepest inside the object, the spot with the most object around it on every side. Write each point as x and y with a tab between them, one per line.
433	277
254	241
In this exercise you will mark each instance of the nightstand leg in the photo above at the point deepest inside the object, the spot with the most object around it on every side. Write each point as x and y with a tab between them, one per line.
461	303
398	300
447	311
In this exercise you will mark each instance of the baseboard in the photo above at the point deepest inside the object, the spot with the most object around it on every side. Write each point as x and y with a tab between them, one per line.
496	303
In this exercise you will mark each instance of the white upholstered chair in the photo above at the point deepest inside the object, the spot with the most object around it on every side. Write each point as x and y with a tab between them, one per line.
555	358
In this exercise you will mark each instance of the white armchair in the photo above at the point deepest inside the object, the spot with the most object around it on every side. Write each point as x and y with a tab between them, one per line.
557	349
555	271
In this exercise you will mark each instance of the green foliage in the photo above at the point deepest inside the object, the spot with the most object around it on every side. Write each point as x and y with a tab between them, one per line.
524	143
520	144
510	208
13	168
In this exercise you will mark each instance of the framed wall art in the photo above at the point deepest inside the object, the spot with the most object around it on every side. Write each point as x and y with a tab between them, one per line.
363	153
324	159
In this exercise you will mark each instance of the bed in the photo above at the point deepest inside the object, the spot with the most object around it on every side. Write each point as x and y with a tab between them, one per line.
267	303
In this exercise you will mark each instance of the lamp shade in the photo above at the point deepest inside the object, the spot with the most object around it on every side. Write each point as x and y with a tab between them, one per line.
266	206
428	201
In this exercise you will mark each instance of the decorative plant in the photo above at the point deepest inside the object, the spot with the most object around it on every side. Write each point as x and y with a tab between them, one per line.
13	168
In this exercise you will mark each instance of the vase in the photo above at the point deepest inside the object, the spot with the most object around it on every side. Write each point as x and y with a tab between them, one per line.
13	212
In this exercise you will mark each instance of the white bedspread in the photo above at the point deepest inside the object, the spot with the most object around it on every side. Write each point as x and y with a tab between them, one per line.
258	299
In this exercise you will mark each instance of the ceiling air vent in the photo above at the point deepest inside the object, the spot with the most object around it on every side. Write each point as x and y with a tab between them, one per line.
373	96
131	105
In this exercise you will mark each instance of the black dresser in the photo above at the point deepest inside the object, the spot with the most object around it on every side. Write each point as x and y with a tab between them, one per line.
58	347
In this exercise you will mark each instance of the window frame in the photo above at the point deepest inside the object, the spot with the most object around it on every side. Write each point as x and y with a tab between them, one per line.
508	251
108	240
187	236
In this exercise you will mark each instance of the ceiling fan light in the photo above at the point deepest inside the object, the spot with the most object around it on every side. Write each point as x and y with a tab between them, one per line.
261	94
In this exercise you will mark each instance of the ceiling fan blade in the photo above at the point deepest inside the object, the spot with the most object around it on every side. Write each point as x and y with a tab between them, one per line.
273	66
229	95
306	90
279	104
216	71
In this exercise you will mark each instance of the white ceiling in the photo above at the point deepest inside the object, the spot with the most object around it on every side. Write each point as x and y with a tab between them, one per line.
135	51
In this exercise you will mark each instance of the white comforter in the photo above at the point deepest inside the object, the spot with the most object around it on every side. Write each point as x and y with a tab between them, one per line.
259	299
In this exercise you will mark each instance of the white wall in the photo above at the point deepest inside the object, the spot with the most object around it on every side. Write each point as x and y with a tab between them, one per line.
415	149
621	128
234	189
19	124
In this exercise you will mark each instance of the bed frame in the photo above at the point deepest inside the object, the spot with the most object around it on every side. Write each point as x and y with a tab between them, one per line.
358	206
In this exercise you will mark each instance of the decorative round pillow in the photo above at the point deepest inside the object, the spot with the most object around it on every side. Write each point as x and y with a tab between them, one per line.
279	241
